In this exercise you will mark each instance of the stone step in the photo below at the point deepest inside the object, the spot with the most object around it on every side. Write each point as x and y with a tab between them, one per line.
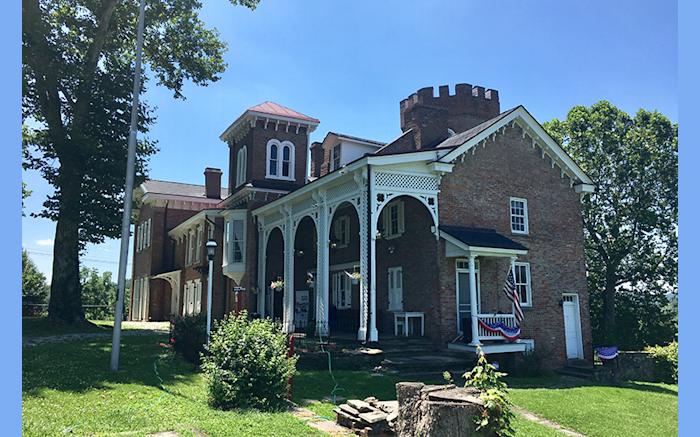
576	372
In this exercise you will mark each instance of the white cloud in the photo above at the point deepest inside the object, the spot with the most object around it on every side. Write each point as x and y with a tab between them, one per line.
47	242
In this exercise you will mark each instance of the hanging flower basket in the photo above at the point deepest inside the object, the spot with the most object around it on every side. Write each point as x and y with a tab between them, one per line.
354	277
277	285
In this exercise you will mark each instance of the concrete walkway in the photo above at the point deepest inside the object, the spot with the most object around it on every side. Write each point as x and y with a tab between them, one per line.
327	426
548	423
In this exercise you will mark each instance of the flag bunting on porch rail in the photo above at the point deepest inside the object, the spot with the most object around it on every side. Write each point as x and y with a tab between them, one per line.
511	292
511	334
606	353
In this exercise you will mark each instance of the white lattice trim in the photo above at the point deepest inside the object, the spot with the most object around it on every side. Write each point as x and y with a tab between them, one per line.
411	182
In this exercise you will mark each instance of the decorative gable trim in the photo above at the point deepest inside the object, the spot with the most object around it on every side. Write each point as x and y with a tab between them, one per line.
539	137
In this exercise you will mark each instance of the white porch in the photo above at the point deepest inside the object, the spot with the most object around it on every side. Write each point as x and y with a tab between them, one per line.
368	185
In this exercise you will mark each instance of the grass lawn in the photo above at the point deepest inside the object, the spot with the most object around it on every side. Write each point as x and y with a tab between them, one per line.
630	409
595	410
317	385
68	388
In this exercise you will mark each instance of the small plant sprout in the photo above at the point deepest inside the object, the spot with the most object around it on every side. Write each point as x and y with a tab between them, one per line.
497	415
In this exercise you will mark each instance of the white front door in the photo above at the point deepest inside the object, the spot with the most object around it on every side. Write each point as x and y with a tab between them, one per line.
464	296
572	326
395	289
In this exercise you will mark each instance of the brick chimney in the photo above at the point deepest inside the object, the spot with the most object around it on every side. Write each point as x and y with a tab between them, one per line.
430	116
212	182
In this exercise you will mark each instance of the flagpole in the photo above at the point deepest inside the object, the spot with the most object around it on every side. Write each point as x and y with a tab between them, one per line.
128	194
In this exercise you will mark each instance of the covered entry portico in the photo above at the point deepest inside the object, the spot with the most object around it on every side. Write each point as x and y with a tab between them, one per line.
367	185
480	252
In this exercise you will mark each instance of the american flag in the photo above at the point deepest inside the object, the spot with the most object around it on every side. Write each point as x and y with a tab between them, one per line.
511	292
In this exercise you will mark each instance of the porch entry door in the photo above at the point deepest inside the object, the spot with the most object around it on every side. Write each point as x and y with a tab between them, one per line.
464	312
572	326
395	289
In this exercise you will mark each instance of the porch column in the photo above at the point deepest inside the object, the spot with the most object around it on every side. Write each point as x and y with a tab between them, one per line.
373	333
473	301
262	286
512	269
321	279
288	299
361	181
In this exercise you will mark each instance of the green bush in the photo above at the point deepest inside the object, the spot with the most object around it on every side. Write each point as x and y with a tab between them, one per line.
246	364
666	359
189	333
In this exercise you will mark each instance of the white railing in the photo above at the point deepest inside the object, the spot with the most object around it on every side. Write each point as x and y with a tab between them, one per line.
506	319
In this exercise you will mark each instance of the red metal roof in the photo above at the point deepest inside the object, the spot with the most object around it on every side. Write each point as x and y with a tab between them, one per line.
273	108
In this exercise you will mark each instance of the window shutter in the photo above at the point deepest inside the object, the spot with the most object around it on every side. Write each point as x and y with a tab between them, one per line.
400	214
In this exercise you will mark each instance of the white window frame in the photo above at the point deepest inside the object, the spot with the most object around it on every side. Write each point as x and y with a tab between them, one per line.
148	233
526	225
241	164
527	284
341	290
139	237
191	241
229	218
341	231
388	232
279	161
199	243
335	157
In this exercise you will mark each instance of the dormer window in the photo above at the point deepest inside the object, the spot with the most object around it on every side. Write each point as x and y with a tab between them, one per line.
280	160
241	161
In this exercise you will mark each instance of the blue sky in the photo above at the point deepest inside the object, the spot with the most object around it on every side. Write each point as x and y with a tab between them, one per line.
350	63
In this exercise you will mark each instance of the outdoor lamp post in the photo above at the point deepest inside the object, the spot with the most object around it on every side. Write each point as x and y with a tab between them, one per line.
211	251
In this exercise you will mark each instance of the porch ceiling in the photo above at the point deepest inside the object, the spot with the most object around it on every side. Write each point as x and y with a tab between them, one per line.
481	241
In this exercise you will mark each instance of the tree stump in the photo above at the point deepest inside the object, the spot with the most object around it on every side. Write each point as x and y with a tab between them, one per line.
444	411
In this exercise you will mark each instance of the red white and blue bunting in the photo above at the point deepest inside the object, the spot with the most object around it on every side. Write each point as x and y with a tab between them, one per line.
606	352
509	333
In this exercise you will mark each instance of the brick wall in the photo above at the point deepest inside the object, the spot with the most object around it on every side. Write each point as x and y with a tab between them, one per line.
256	140
477	193
416	251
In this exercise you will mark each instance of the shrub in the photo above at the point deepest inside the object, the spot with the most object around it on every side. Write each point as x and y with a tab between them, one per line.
189	333
246	364
666	360
497	414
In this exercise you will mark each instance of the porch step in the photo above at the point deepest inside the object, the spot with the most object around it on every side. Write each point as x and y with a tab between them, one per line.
426	361
578	369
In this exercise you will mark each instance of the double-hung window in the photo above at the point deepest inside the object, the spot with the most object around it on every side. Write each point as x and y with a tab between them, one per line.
523	283
393	219
518	216
335	161
340	290
341	231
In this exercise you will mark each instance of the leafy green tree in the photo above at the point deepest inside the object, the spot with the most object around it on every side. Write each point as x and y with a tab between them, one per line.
34	286
630	222
98	289
77	72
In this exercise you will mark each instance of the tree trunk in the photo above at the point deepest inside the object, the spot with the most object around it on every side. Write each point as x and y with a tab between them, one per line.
65	303
609	319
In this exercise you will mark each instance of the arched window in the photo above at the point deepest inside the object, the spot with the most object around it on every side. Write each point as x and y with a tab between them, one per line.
272	159
241	163
280	160
286	156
